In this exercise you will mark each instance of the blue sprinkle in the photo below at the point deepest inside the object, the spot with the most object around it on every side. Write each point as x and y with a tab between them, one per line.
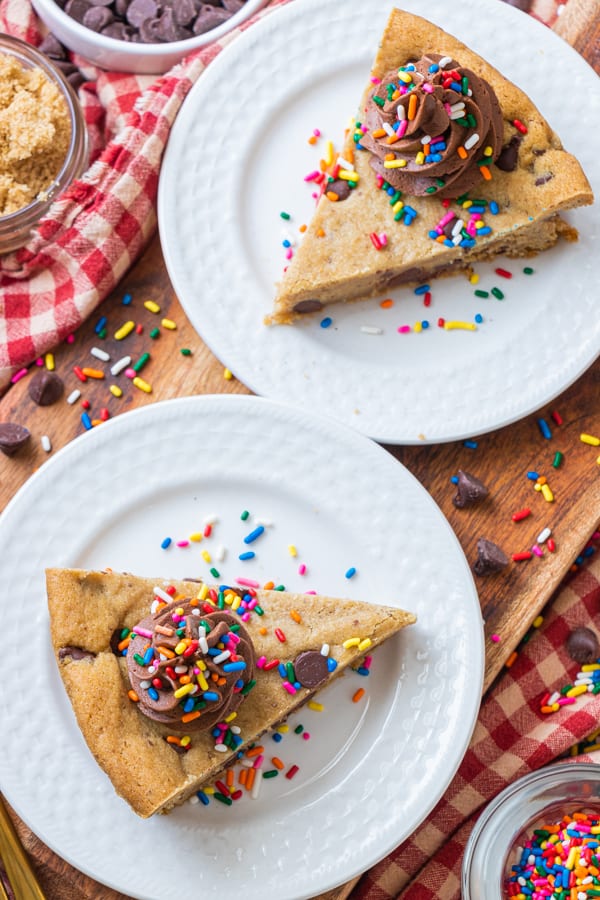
239	684
434	67
331	664
287	243
478	318
100	324
277	737
282	670
408	220
425	324
238	666
210	695
483	231
469	242
454	479
422	289
216	732
448	243
391	191
127	299
202	798
87	422
326	322
472	445
476	209
254	534
249	554
533	476
544	428
494	208
188	705
350	572
433	235
410	211
362	670
456	87
166	543
148	656
152	692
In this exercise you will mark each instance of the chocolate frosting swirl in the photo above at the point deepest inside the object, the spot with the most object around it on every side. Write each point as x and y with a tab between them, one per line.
449	111
199	645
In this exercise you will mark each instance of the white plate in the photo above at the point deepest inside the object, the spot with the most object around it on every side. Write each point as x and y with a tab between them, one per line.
371	770
237	157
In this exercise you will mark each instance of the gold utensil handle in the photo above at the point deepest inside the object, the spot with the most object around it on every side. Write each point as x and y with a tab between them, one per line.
16	863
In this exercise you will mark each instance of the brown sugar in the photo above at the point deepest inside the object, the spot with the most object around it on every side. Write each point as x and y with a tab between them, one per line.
35	132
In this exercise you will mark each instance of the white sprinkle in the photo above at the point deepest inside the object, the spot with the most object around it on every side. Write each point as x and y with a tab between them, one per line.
158	592
46	443
235	729
401	113
325	650
457	227
193	799
371	329
180	670
470	142
455	107
222	657
120	365
344	164
543	535
388	129
444	61
211	519
458	114
219	553
145	685
457	239
426	139
256	788
247	763
74	396
203	644
221	748
553	698
152	670
266	523
100	354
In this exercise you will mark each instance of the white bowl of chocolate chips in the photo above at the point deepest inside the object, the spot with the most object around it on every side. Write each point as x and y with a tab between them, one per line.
141	36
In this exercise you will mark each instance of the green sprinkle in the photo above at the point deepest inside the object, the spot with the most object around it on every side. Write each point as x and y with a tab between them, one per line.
528	270
185	351
244	515
289	668
102	333
155	333
222	798
248	687
270	773
471	120
125	633
497	293
280	587
215	573
431	190
352	184
285	215
139	659
463	122
398	215
462	198
221	601
139	365
395	197
465	85
440	182
298	729
479	293
379	101
558	458
384	186
259	610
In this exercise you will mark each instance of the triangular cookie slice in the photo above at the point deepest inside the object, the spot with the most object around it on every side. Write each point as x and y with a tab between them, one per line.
448	163
170	681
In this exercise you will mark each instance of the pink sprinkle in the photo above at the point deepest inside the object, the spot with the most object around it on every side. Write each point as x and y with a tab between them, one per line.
403	329
317	132
402	128
289	253
252	603
566	701
143	632
301	569
289	687
305	736
445	220
260	662
537	550
131	373
245	617
312	176
258	762
182	543
39	361
383	239
427	88
495	638
247	582
71	339
18	375
367	662
375	80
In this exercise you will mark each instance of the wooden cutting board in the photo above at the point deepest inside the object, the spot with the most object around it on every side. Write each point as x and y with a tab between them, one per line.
510	601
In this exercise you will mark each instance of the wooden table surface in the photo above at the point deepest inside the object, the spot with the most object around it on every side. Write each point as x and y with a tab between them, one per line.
510	601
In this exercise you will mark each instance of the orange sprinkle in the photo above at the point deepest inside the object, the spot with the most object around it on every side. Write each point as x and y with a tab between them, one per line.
392	138
312	139
331	195
184	679
440	238
487	175
277	763
124	643
250	779
322	165
462	152
242	776
302	229
349	154
269	586
255	751
412	107
426	149
295	616
194	601
358	695
189	717
172	739
390	156
229	776
262	630
395	95
166	652
387	303
221	681
93	373
96	422
379	132
133	696
320	232
511	659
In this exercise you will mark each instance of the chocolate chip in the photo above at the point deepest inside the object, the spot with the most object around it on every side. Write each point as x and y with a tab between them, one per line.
311	668
583	646
210	17
97	18
74	653
12	437
185	12
77	9
52	47
490	558
507	161
45	388
340	188
543	179
469	490
140	10
308	306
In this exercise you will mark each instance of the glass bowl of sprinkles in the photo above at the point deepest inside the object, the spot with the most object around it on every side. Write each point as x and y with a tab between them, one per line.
43	139
539	838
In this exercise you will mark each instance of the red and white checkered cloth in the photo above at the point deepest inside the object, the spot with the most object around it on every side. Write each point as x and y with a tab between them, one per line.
512	737
96	230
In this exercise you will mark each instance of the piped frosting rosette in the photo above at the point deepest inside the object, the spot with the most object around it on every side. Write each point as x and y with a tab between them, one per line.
433	127
190	669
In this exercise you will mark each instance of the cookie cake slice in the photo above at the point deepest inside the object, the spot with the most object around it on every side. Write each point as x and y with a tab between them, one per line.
447	163
171	681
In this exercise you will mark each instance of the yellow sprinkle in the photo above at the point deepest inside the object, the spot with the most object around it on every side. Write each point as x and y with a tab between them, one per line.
589	439
202	681
570	863
538	622
231	717
49	361
547	493
365	644
488	151
292	550
466	326
169	324
394	164
201	665
185	740
347	175
328	153
236	602
151	306
203	592
467	204
406	77
397	207
208	790
180	647
196	537
183	690
474	278
595	829
206	556
227	374
418	326
142	385
314	704
124	330
577	690
590	667
116	390
420	158
351	642
283	729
